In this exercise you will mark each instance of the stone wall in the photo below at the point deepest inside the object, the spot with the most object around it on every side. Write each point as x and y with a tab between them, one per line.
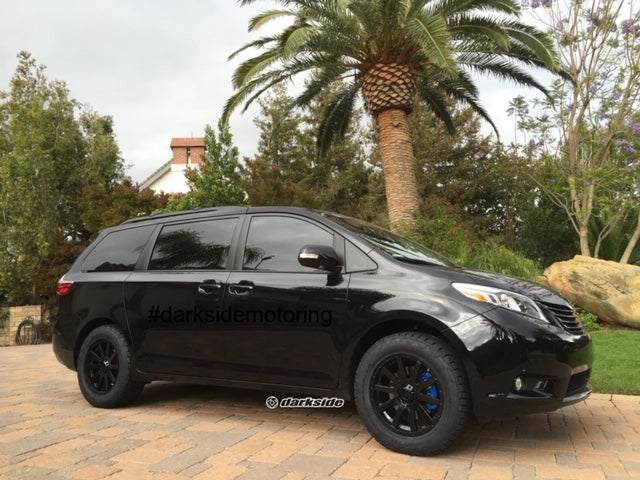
16	316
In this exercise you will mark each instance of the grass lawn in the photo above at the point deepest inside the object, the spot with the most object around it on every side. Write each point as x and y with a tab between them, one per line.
616	364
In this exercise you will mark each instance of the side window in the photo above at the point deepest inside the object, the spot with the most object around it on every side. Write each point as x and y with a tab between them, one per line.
118	251
357	261
194	246
273	243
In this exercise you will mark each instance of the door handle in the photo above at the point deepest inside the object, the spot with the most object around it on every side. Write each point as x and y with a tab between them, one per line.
208	287
241	288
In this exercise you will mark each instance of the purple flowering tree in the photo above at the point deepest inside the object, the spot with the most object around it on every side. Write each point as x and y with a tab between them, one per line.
589	129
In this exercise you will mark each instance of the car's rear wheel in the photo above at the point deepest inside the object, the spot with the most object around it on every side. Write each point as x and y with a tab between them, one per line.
412	395
104	369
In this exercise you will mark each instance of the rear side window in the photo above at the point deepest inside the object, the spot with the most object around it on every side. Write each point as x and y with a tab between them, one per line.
194	246
118	251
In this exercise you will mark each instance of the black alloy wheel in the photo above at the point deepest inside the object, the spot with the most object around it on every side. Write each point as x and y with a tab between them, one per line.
104	369
412	393
102	366
406	395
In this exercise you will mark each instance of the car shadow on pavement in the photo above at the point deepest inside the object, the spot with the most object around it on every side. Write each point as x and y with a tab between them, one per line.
498	438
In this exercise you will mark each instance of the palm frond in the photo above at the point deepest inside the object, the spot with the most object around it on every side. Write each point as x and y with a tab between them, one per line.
394	17
441	41
269	16
296	39
460	90
503	70
297	65
337	116
248	2
464	27
432	34
260	43
539	43
315	86
450	7
241	94
433	96
253	66
416	7
267	79
369	20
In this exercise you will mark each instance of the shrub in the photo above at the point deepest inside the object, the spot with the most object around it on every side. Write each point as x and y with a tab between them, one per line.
589	320
440	227
497	258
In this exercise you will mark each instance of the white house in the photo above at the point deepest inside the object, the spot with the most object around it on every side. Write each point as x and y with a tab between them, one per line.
170	178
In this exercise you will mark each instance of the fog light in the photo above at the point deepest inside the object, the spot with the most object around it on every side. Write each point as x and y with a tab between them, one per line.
518	384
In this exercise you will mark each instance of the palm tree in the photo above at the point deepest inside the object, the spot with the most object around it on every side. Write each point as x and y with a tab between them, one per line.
391	52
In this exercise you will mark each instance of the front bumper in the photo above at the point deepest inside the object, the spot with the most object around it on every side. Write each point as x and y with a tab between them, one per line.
517	365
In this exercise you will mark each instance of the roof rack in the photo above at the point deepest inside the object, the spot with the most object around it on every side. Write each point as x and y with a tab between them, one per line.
186	212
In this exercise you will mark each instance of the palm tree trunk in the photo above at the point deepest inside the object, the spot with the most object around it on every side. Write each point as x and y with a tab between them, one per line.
399	167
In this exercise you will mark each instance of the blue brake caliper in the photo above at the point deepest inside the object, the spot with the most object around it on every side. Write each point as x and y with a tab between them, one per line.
432	390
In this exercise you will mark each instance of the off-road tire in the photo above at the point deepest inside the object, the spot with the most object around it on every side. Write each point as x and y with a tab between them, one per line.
104	369
412	393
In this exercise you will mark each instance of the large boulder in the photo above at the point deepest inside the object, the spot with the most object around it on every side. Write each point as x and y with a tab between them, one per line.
611	290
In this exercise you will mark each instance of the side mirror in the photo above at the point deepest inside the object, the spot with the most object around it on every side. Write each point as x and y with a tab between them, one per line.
319	256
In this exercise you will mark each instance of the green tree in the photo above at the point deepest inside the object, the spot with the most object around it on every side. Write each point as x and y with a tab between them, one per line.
217	182
41	153
100	208
103	165
50	149
287	169
546	234
470	172
589	130
617	242
442	227
391	52
276	174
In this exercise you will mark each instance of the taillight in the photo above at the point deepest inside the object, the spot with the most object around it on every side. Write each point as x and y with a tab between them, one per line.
64	288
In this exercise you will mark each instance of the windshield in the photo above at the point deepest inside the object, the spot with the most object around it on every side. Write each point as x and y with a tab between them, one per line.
398	247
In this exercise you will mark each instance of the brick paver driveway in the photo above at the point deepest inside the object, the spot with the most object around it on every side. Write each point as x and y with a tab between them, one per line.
48	431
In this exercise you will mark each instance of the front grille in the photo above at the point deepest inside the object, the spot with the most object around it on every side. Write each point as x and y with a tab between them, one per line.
565	317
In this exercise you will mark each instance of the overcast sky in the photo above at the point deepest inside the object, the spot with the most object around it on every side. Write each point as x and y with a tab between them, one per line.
159	68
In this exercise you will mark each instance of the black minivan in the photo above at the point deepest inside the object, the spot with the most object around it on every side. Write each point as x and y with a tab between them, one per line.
314	303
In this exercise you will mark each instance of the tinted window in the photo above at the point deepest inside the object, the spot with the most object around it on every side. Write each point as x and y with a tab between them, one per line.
357	261
273	243
118	251
194	246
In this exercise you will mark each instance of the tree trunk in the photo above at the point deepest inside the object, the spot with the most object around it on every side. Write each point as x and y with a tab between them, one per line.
585	248
399	167
632	243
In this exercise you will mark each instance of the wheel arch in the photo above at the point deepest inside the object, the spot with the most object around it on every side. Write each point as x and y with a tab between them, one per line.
397	324
84	332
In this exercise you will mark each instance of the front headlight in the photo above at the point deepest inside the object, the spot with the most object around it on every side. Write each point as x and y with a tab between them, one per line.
501	298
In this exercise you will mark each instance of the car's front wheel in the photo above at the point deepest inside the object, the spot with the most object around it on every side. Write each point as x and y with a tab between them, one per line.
412	394
104	369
